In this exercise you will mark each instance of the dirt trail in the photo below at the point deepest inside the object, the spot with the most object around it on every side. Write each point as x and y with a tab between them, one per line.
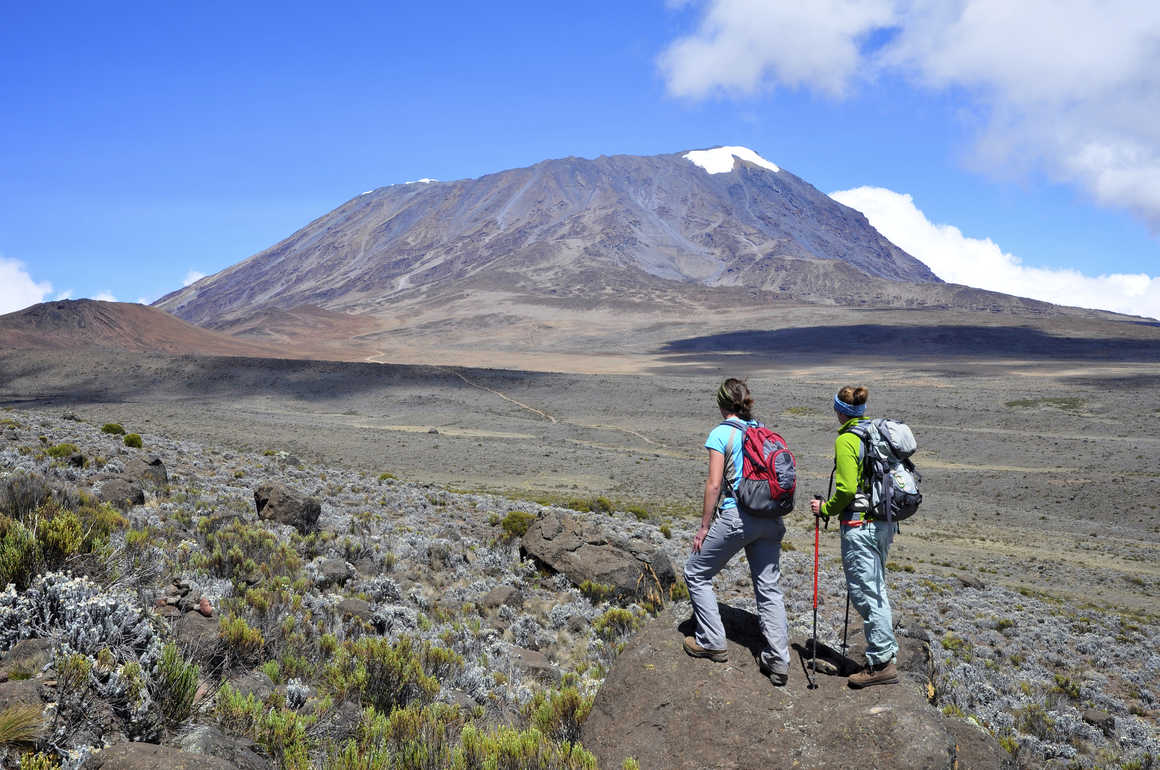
494	392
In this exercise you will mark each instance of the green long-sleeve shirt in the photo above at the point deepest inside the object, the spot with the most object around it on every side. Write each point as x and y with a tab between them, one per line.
848	469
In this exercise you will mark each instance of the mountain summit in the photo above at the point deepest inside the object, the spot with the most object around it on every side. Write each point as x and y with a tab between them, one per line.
607	264
573	227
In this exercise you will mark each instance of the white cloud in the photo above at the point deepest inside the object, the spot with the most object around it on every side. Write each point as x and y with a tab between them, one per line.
105	296
977	262
1068	86
17	289
66	294
192	277
743	46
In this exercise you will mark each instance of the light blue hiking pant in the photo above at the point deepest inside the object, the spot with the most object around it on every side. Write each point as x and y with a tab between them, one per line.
864	551
761	538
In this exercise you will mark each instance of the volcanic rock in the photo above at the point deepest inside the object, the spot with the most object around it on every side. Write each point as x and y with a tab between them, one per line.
669	710
584	554
150	756
282	504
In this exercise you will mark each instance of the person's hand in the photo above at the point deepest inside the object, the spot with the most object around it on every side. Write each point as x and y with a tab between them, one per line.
816	507
699	538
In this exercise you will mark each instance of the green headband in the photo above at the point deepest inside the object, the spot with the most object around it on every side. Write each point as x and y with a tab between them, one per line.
724	399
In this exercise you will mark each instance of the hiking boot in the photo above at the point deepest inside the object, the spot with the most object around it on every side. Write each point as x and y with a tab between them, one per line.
877	673
777	677
697	651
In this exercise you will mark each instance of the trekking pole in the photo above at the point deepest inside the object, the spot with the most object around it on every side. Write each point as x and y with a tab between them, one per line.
813	673
846	622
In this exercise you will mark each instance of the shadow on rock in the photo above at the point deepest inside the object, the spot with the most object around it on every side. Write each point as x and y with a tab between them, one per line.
668	710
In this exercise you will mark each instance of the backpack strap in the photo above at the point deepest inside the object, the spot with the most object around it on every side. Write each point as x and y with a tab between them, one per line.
726	487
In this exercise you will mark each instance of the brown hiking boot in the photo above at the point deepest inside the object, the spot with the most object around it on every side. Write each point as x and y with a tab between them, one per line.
697	651
880	673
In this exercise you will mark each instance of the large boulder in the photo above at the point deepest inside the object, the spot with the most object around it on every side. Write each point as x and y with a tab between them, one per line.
210	741
282	504
585	554
121	492
150	756
148	469
26	659
668	710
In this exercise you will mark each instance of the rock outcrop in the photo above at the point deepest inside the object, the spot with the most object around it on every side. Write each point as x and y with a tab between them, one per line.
586	554
148	469
668	710
287	506
150	756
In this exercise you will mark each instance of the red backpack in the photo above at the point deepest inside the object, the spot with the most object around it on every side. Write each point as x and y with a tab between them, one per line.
768	472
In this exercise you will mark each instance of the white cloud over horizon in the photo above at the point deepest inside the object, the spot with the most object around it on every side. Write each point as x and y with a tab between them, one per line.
18	290
105	296
981	263
192	276
1071	87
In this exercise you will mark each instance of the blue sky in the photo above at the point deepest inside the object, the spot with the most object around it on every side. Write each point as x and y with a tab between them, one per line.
146	143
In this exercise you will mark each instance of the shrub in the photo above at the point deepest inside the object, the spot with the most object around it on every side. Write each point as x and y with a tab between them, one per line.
410	737
600	505
281	731
174	686
246	554
389	675
113	428
39	761
133	440
640	512
678	591
242	642
597	592
506	748
517	523
61	451
1034	720
60	537
667	531
559	715
19	553
386	476
615	622
1065	686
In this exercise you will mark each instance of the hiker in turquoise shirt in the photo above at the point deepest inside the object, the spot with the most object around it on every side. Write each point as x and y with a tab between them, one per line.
865	543
724	531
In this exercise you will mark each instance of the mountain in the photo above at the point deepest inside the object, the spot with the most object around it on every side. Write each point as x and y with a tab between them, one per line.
723	217
575	257
85	323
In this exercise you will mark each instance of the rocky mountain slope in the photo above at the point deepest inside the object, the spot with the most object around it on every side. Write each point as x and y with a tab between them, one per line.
234	608
725	217
578	265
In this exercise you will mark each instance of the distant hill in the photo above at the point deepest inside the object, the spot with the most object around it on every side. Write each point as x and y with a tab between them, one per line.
87	323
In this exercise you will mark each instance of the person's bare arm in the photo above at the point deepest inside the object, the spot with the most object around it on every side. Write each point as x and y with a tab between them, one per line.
712	494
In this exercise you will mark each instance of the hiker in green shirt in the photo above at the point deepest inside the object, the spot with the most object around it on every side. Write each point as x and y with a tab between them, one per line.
865	543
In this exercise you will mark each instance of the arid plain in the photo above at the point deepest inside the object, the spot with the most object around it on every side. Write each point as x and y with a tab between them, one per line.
1040	473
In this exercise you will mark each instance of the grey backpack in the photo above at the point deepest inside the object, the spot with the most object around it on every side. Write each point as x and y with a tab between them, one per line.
886	449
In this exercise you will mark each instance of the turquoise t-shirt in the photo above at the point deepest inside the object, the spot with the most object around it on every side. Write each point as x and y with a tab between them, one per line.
718	441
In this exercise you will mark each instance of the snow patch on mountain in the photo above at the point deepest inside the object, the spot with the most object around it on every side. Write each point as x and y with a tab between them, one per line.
720	160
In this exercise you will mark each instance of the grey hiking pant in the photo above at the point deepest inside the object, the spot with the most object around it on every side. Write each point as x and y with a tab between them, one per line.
761	538
864	551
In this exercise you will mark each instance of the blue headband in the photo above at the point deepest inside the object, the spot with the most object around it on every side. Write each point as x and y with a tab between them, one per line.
848	409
